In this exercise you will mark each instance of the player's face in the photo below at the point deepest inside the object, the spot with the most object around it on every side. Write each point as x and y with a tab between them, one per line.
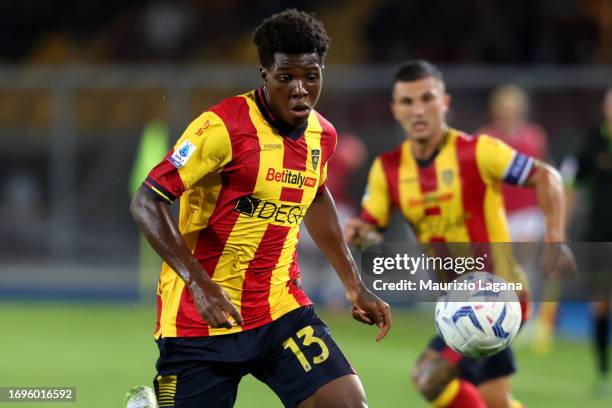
510	109
420	107
293	84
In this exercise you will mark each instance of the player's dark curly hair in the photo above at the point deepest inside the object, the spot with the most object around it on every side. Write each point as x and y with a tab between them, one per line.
290	32
415	70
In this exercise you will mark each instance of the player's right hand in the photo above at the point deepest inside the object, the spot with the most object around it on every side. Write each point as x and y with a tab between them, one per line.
214	305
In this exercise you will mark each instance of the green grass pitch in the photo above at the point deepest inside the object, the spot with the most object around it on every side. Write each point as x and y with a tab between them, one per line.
103	349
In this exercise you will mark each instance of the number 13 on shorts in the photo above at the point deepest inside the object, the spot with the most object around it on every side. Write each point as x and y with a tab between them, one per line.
307	339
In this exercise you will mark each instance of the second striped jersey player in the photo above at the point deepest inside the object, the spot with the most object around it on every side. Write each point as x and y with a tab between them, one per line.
454	196
447	185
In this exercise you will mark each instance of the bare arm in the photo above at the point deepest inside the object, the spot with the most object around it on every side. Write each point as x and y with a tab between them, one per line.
322	223
570	203
153	217
549	188
557	260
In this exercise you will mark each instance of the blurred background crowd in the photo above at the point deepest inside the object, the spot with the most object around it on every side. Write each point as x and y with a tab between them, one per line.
93	92
368	31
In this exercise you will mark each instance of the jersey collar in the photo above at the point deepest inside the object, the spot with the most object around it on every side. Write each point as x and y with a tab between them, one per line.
426	162
282	127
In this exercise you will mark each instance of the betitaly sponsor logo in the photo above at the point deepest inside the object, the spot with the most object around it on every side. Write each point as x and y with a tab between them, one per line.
294	178
182	154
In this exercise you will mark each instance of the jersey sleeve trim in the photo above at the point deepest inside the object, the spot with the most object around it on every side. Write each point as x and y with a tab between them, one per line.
159	190
519	169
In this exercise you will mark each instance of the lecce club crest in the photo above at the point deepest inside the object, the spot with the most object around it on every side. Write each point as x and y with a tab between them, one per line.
316	155
447	176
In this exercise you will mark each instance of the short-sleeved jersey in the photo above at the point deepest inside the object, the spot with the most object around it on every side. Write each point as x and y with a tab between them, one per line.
454	197
245	182
531	140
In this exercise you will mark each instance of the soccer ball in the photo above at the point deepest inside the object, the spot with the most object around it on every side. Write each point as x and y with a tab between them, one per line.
477	318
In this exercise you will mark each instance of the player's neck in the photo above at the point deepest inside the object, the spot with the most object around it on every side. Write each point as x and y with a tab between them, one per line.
424	150
262	100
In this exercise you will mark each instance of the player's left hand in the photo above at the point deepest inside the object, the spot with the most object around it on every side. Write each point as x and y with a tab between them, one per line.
369	309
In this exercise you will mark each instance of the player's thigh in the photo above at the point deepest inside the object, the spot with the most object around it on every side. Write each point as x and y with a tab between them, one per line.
304	359
343	392
496	393
494	378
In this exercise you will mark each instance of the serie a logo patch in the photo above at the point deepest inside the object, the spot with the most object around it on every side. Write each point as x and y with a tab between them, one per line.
182	154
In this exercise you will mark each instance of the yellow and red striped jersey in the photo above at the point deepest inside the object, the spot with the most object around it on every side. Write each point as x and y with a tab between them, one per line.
453	197
245	181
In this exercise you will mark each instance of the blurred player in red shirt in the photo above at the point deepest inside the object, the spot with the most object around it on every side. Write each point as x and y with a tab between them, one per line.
509	107
351	153
509	111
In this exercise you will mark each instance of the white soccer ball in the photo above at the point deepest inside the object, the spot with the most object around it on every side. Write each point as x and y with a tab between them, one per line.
478	318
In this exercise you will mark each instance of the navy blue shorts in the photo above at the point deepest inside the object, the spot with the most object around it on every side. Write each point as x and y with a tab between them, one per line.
294	355
477	370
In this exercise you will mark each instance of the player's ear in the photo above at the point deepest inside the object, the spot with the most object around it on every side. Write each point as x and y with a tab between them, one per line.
264	74
447	101
393	109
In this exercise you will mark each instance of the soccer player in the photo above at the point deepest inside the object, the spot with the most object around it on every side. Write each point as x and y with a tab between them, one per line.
509	108
509	111
595	171
447	186
230	299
